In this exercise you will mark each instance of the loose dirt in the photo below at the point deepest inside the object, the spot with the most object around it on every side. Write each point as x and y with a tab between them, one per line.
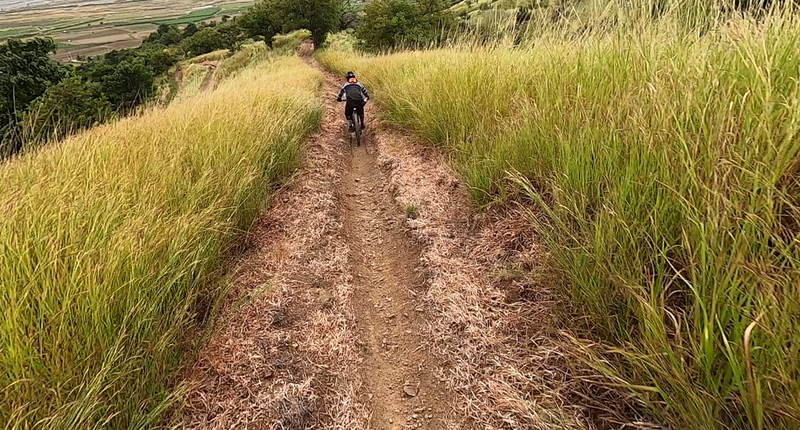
398	369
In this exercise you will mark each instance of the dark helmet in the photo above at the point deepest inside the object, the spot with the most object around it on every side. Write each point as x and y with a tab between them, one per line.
350	75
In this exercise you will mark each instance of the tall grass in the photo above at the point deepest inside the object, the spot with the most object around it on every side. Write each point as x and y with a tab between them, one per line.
665	163
248	54
111	243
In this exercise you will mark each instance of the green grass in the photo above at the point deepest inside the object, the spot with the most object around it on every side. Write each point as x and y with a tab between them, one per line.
664	167
17	32
187	18
289	42
193	16
234	9
113	242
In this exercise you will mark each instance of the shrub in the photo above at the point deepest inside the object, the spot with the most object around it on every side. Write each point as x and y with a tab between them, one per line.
389	24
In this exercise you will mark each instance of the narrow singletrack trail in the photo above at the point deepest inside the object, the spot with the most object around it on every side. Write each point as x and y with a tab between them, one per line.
398	370
208	81
325	325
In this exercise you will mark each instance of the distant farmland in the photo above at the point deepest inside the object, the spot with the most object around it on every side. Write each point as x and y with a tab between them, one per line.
95	29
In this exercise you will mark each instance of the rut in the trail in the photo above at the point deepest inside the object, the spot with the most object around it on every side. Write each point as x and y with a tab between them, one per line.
398	370
325	328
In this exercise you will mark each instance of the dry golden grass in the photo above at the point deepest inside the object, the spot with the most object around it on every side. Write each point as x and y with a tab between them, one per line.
113	242
287	355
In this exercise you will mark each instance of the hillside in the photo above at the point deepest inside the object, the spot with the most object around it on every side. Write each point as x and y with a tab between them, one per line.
559	216
663	181
89	28
114	242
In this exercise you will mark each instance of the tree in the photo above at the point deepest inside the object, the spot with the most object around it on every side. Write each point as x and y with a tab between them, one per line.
26	70
128	85
159	61
190	30
204	41
162	29
389	24
320	17
171	37
349	15
71	105
230	35
258	21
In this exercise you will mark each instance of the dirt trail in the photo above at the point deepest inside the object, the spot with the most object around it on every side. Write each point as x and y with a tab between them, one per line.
325	324
208	81
398	369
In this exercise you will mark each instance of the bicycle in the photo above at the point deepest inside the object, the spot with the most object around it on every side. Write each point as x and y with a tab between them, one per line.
356	127
357	131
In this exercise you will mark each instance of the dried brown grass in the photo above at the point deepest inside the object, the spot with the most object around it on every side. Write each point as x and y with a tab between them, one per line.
489	295
286	358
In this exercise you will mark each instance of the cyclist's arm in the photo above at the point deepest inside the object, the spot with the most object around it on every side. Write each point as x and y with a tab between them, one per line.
341	93
366	93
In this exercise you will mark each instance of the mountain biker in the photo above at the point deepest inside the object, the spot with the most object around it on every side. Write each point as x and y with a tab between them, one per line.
357	96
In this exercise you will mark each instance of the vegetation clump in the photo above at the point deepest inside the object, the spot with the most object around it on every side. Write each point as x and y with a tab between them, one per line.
113	243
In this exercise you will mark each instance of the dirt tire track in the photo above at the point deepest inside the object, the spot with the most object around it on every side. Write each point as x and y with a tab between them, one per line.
488	298
325	326
208	81
399	372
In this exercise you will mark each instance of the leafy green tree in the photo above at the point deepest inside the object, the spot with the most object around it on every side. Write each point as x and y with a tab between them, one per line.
69	106
118	55
389	24
320	17
258	21
202	42
159	61
26	70
230	34
349	15
190	30
128	85
171	37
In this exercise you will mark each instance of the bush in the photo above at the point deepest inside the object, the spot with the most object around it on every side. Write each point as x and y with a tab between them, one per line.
26	71
203	42
389	24
343	41
128	85
71	105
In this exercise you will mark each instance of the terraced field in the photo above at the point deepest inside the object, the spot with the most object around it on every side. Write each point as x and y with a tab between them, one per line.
92	28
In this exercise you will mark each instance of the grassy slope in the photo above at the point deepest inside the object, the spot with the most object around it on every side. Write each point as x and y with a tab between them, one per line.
113	241
666	165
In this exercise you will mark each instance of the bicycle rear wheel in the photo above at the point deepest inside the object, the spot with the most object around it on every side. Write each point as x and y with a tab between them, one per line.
357	125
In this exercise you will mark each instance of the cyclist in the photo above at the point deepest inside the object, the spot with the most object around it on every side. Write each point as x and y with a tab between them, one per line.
357	96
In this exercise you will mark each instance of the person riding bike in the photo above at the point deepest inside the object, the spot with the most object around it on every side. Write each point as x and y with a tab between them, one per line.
357	96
